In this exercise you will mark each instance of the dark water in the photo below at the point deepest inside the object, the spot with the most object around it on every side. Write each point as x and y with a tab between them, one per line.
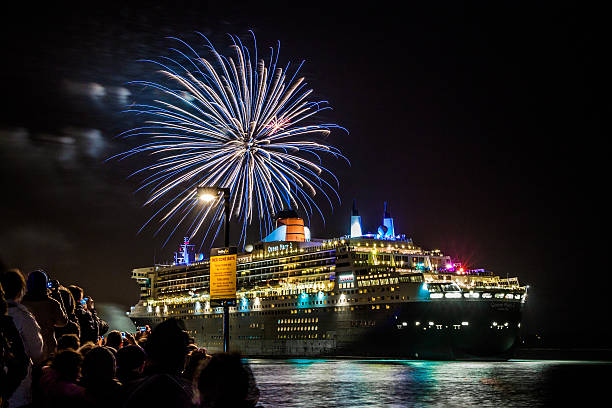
398	383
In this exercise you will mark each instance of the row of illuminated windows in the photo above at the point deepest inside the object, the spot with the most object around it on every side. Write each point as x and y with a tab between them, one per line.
372	276
417	278
287	259
266	305
378	282
294	273
331	302
372	290
173	285
285	268
181	307
297	328
185	282
301	320
362	307
259	267
298	336
296	311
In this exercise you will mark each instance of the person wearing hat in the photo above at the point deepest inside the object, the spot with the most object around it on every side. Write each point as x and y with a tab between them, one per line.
48	312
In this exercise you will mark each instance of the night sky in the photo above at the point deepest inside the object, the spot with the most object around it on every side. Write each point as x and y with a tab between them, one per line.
482	125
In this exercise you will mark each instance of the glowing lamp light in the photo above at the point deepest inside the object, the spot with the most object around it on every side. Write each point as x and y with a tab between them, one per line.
207	194
207	198
449	266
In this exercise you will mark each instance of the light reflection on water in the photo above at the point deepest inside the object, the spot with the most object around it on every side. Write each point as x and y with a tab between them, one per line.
368	383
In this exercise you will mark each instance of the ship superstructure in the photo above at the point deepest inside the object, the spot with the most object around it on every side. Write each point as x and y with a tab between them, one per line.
358	295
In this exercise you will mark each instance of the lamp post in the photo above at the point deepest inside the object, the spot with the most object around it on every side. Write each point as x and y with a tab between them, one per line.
208	194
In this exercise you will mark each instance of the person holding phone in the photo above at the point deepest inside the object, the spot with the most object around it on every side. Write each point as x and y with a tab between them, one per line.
91	325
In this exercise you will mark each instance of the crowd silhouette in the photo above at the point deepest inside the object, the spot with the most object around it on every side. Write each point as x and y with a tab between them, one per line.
55	351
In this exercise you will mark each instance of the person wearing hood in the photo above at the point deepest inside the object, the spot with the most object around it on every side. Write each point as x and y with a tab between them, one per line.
48	312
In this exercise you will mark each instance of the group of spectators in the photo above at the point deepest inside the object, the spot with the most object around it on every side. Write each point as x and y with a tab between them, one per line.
55	352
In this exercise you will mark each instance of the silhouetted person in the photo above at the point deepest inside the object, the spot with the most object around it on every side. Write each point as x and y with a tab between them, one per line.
86	348
13	359
29	331
130	367
72	327
130	363
68	341
193	363
225	382
114	340
163	385
102	388
90	324
58	382
47	311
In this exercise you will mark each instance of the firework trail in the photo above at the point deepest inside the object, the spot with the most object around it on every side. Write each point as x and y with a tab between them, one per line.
228	123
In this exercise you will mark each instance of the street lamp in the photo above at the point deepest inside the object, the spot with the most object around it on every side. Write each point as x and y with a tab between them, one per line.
208	194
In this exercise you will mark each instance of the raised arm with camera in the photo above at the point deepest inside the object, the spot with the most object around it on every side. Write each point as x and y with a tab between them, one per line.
88	325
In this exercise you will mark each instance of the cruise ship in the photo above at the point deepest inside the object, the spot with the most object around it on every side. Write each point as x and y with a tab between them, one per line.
360	295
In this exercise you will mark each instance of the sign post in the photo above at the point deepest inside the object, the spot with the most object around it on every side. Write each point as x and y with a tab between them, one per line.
223	284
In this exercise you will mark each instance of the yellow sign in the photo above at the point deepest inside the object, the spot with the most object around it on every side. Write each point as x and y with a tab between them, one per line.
223	273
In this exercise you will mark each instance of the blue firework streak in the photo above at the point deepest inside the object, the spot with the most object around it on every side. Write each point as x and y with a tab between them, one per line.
226	122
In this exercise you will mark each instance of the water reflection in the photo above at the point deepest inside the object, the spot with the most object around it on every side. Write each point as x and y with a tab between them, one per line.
367	383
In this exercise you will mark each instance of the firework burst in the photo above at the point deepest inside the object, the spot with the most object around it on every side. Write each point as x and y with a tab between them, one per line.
227	123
